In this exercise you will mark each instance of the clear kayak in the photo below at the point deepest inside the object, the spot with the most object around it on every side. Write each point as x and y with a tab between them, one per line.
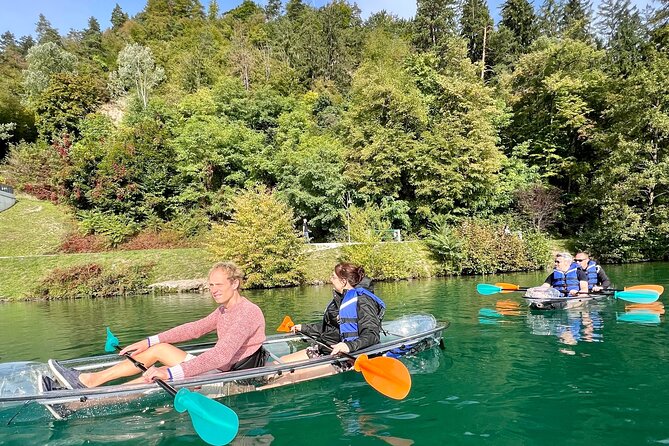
19	387
539	298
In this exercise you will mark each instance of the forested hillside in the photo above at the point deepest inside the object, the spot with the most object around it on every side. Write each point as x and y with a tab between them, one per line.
551	120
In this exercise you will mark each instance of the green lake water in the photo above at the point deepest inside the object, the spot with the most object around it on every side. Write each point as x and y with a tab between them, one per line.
561	378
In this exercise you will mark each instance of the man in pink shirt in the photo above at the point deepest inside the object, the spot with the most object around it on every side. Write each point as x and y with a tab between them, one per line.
239	323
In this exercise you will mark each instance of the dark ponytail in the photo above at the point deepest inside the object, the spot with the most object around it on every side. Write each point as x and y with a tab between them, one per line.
352	273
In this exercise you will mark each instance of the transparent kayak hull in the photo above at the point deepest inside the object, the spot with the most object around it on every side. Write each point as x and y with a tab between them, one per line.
18	380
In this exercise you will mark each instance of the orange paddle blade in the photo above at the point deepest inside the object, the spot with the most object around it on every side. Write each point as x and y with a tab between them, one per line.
658	288
286	324
387	375
507	287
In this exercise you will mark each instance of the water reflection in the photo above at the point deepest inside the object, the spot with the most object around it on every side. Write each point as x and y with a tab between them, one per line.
642	313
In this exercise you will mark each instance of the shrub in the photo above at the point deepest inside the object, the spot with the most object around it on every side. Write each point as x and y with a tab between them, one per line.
261	239
92	280
76	243
383	260
114	228
481	247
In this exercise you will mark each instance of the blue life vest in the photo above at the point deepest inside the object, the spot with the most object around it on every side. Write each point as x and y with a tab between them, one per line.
592	271
566	281
348	312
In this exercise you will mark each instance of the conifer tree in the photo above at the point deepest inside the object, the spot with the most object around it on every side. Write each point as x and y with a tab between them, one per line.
435	19
549	18
518	17
118	18
476	26
575	21
45	32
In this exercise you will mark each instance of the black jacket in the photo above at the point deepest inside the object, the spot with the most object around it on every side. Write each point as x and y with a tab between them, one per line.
369	321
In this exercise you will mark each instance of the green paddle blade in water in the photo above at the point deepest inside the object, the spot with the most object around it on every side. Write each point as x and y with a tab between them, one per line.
214	422
487	289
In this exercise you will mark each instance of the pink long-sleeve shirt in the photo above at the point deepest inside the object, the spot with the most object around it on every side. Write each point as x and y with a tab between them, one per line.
241	332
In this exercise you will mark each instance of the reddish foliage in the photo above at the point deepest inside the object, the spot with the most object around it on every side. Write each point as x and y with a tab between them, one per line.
76	243
155	240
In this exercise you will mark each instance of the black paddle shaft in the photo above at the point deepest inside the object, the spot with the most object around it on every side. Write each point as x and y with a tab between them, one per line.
323	344
169	389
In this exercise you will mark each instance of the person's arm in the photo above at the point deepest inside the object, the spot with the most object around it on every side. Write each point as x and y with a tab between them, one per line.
547	283
603	279
582	283
187	331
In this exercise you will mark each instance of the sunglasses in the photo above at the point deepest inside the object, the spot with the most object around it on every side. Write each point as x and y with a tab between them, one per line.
580	260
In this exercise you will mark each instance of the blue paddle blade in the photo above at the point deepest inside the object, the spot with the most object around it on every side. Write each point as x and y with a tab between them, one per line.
639	317
214	422
638	296
488	312
486	289
112	342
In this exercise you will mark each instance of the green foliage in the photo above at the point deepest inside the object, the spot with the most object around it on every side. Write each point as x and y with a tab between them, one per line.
261	239
137	70
486	249
44	61
446	245
66	100
92	280
115	228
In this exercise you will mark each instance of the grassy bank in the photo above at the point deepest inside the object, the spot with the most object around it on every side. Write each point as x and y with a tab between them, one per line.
33	227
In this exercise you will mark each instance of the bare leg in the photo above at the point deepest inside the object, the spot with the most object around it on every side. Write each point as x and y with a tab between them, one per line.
300	355
166	354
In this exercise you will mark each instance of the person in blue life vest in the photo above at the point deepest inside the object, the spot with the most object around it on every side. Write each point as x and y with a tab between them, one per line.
352	319
597	278
567	276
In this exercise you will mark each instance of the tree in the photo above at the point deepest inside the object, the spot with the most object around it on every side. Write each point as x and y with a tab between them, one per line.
273	10
118	18
44	61
45	32
575	21
476	25
136	69
518	17
261	239
66	100
92	37
549	18
212	13
540	204
435	19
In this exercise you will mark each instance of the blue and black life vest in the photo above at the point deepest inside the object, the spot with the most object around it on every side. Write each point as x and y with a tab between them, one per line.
348	312
566	281
592	271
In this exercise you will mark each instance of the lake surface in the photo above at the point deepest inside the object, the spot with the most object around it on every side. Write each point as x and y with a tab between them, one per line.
573	377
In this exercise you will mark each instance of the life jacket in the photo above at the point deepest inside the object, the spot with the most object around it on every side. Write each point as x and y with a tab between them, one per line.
566	281
348	312
592	271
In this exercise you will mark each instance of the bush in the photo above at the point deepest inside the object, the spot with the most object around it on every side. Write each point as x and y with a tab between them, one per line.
481	247
92	280
383	260
36	168
77	243
114	228
261	239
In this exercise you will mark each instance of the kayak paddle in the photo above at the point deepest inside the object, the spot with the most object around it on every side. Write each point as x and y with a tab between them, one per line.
387	375
639	317
487	289
214	422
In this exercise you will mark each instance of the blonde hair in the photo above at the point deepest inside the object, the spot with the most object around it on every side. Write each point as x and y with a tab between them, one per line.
233	271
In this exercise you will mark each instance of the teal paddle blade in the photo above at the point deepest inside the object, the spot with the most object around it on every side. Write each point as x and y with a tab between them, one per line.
112	342
638	296
214	422
487	289
639	317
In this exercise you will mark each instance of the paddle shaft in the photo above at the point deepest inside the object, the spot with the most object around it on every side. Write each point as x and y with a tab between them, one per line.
323	344
169	389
